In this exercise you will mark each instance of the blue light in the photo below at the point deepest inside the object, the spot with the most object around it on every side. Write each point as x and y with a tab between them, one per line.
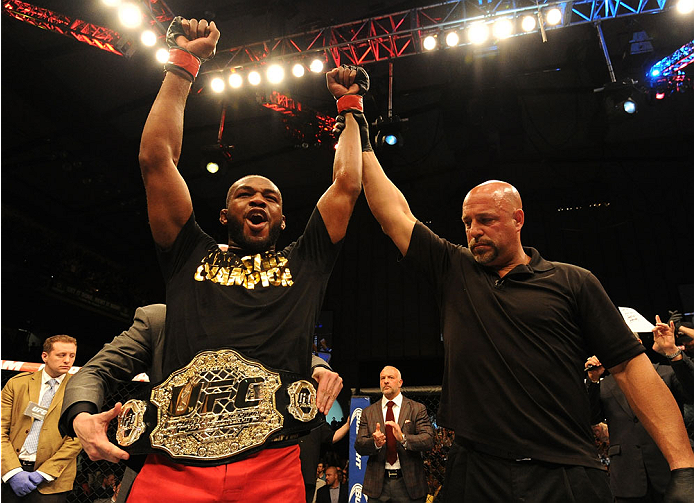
391	139
629	107
655	72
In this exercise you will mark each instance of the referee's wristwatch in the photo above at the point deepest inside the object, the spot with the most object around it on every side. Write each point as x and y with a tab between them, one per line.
404	440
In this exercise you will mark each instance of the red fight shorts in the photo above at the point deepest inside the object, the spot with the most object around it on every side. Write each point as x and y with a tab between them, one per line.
270	475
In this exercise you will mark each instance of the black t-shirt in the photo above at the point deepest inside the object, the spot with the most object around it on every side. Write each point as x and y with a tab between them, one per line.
264	306
515	349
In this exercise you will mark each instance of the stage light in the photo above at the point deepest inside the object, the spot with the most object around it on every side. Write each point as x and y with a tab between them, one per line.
452	39
478	33
391	139
162	55
685	6
629	106
655	72
553	16
235	80
254	78
148	38
130	15
316	66
529	23
429	43
298	70
212	167
389	132
660	96
110	3
275	74
217	84
502	28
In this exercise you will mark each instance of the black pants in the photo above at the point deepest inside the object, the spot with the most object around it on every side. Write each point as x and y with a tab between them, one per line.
473	476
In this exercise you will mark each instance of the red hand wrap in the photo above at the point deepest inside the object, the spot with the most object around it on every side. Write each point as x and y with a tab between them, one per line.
350	102
184	61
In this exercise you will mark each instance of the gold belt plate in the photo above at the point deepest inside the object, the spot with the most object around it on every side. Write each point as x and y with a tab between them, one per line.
218	405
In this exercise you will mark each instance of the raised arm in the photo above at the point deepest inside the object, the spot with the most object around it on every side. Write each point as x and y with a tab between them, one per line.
168	200
387	203
347	84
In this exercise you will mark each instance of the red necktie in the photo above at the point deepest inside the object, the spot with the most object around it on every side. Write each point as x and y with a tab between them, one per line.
391	449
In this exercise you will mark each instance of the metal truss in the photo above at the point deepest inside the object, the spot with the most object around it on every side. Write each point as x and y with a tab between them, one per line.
88	33
401	33
674	63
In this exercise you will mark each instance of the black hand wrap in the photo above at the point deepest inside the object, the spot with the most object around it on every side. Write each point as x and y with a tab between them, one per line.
181	61
681	486
363	129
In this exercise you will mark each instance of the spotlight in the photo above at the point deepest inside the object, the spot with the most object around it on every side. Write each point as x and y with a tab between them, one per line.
553	16
660	95
502	28
217	84
254	78
452	39
162	55
429	43
235	80
316	66
298	70
389	132
130	15
391	139
275	74
478	33
216	158
685	6
148	38
621	98
529	23
629	106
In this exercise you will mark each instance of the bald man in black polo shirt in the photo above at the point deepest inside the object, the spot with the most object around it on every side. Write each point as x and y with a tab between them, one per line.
516	330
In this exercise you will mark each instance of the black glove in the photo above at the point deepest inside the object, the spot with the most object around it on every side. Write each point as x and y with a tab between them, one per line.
681	486
181	61
363	129
361	79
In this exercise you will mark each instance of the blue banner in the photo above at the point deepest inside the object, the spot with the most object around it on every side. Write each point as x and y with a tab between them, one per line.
357	463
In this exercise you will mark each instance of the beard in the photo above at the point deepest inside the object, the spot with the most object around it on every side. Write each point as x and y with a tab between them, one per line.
487	256
250	244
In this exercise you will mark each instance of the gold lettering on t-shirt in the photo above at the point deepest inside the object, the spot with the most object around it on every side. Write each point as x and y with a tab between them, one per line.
227	269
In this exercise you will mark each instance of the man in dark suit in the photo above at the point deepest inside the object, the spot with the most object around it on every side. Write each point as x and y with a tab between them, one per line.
140	349
394	432
333	491
638	470
38	463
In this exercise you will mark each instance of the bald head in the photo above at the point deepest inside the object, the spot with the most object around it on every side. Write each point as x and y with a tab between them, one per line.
391	382
505	194
493	217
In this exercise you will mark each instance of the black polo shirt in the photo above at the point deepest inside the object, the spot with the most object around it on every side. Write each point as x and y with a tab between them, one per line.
515	349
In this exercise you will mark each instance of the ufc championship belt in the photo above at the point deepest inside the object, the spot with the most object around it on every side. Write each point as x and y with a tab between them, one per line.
219	406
